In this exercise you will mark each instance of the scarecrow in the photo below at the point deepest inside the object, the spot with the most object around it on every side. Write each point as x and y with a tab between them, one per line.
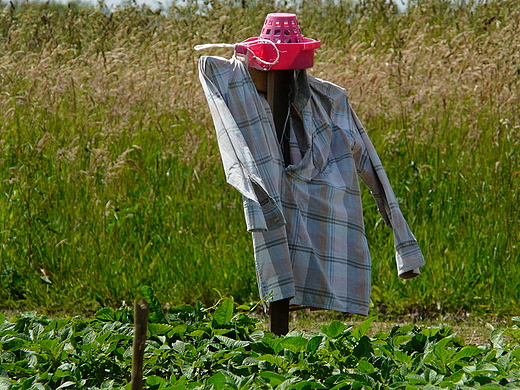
292	145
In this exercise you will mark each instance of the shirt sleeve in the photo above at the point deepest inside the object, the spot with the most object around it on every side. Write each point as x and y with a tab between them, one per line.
239	117
409	257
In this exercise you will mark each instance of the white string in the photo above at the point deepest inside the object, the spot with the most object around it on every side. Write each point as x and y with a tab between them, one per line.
249	50
287	118
210	45
254	57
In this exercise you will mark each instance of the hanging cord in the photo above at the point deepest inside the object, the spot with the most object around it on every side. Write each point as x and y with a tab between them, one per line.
210	45
287	118
248	49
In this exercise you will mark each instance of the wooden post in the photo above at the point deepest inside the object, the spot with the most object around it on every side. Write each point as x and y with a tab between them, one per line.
277	85
278	90
141	310
279	317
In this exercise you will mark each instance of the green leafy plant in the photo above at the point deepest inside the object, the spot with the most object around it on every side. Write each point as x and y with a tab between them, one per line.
221	348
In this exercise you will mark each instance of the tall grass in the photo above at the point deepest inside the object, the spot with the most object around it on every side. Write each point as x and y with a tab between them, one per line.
111	177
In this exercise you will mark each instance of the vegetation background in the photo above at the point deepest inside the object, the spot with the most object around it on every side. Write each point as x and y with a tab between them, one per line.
110	175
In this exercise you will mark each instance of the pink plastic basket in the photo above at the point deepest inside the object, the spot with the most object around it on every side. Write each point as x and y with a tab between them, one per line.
290	50
282	28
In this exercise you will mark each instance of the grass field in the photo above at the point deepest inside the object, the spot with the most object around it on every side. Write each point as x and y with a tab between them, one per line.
111	178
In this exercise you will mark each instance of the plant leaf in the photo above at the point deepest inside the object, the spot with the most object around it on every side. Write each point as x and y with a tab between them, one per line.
5	384
364	348
218	381
156	310
365	367
294	344
224	313
274	378
314	344
65	385
362	328
105	314
334	329
467	352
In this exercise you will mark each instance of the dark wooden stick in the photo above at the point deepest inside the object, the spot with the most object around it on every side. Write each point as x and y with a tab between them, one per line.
279	317
276	84
278	90
141	310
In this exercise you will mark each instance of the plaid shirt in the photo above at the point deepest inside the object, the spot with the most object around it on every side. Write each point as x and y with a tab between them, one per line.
306	219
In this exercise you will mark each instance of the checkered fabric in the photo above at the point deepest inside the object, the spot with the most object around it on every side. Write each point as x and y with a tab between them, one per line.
306	219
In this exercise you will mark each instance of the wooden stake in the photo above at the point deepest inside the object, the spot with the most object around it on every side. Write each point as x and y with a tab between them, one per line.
279	317
278	90
141	310
277	85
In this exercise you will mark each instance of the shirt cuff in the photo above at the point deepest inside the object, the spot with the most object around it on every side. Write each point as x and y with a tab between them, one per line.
409	259
262	218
